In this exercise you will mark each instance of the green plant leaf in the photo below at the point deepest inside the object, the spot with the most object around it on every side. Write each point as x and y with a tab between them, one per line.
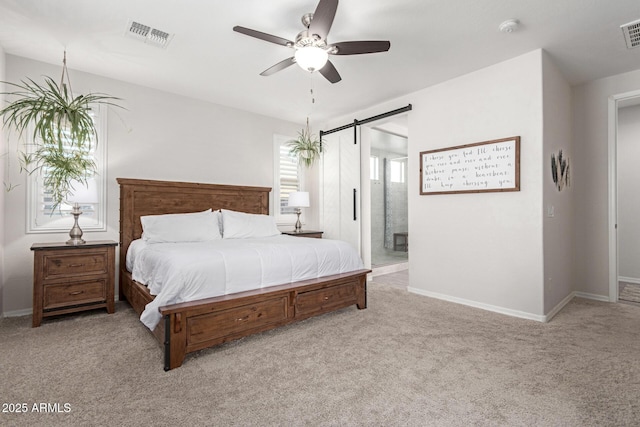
63	131
306	147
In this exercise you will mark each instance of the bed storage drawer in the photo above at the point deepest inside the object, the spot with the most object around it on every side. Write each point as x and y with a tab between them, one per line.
219	325
325	299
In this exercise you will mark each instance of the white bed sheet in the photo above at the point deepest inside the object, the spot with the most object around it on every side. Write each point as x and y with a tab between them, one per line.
181	272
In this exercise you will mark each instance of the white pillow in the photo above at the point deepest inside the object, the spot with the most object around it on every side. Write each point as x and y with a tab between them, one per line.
187	227
240	225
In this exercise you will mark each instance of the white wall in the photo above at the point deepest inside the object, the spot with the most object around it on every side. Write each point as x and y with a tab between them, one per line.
558	238
480	249
484	249
590	178
159	136
2	174
628	153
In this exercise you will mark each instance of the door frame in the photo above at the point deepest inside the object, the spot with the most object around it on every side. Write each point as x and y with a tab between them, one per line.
613	105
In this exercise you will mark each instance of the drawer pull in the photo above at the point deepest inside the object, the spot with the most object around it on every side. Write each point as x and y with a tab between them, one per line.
326	298
76	265
242	319
76	293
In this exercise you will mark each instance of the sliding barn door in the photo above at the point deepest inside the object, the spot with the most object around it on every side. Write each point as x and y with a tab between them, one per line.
341	187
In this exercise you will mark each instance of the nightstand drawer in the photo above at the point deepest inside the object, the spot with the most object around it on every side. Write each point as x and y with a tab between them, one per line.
74	264
65	294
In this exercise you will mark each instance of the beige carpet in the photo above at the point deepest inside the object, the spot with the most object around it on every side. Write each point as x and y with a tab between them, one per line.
629	291
406	360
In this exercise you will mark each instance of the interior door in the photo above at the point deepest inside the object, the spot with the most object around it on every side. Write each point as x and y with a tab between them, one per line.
341	214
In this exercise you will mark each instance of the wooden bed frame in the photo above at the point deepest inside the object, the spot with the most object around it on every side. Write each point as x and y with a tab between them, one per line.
192	326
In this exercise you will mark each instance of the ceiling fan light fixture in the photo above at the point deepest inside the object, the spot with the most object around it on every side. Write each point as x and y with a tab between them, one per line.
311	58
311	48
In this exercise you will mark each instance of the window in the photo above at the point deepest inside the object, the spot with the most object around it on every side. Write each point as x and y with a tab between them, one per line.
42	218
398	171
374	168
287	178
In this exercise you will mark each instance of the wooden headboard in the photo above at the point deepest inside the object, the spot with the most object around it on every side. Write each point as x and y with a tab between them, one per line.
139	197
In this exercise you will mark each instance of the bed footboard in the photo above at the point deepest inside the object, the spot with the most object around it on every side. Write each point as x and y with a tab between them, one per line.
190	327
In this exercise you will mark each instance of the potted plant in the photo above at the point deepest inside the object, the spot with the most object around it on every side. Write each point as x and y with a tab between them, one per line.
306	147
62	128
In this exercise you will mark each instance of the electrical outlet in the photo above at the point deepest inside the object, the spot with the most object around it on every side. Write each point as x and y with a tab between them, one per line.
551	211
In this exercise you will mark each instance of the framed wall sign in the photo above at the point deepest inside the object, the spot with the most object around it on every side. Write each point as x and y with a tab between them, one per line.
473	168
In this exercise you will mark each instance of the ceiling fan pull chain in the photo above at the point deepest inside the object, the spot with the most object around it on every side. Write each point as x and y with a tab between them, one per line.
313	98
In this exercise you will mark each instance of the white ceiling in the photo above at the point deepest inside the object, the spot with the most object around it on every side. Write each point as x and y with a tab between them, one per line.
431	41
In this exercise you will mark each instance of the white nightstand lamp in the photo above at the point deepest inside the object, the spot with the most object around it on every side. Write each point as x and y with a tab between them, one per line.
298	199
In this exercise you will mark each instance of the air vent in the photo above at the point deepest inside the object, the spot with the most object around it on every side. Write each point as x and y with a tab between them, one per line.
149	35
631	33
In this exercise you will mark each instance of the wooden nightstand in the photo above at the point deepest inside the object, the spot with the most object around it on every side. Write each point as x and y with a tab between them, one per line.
71	278
305	233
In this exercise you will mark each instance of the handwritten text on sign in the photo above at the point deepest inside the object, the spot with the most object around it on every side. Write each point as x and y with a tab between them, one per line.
473	168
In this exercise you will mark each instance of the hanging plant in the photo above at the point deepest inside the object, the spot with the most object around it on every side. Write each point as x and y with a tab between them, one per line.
306	147
63	130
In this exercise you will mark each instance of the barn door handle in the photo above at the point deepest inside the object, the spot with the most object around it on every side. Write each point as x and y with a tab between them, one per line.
355	217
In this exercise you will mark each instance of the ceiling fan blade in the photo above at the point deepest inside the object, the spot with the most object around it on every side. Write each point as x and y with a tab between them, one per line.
263	36
279	66
323	18
360	47
330	73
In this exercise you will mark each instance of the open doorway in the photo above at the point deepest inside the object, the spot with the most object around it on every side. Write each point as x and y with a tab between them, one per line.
388	164
618	181
628	199
346	208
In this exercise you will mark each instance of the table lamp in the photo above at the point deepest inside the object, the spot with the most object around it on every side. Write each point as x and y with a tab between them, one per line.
298	199
82	193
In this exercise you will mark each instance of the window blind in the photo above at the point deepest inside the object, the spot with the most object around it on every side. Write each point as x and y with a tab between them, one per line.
42	217
289	179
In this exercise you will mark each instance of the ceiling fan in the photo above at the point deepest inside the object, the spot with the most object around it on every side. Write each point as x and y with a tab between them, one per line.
311	47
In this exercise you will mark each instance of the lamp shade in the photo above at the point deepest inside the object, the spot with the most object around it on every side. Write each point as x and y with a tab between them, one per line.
84	193
311	58
299	199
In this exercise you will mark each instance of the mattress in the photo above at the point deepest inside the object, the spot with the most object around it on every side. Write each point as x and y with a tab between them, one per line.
182	272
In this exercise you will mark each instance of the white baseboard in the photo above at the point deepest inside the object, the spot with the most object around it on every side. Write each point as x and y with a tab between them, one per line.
629	280
29	311
558	307
595	297
488	307
514	313
388	269
18	313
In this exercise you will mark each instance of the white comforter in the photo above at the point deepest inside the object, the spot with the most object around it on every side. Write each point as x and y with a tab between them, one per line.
180	272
